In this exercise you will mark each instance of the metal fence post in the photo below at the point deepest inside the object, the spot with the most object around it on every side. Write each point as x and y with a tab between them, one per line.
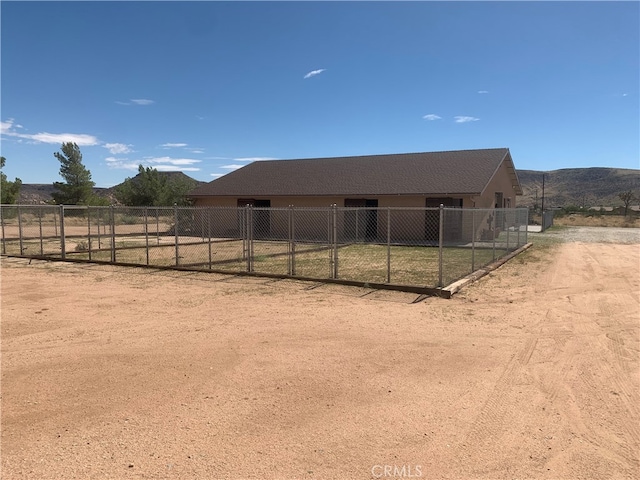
63	247
89	231
40	228
473	240
4	240
493	229
112	219
244	233
175	231
100	210
249	238
334	226
440	243
388	244
292	241
146	232
20	230
157	226
507	228
209	235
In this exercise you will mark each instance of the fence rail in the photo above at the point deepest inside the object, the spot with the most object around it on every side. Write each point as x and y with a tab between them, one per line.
402	247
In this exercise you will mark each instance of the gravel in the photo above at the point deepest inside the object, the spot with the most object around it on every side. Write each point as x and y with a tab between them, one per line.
590	235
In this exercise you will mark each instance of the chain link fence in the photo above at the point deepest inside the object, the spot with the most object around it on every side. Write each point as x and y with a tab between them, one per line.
419	247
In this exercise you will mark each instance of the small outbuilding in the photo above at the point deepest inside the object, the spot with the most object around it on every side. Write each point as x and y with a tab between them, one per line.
484	178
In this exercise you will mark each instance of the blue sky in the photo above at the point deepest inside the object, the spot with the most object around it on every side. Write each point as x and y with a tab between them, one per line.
206	87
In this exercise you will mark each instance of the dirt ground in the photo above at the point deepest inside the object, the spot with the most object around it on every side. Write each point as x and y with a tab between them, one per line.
123	373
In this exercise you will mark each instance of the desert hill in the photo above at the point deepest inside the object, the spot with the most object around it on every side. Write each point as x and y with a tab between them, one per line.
583	187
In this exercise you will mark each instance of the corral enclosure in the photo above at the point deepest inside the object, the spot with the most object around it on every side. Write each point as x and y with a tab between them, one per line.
419	247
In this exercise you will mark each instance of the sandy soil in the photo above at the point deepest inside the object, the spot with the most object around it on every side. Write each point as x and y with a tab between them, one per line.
531	372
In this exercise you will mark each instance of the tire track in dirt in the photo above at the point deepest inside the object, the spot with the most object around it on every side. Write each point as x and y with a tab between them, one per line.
491	418
603	386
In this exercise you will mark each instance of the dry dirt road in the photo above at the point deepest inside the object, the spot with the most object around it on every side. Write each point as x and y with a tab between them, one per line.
122	373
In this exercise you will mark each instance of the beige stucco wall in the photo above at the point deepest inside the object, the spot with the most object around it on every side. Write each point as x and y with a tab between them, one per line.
406	225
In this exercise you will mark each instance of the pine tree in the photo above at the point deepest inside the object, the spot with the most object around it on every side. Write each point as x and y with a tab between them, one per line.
78	186
9	191
153	189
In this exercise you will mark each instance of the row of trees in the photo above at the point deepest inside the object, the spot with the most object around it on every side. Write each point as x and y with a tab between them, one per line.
9	191
148	188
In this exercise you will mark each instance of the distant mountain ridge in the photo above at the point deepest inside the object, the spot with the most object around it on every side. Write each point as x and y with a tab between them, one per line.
582	187
41	193
585	187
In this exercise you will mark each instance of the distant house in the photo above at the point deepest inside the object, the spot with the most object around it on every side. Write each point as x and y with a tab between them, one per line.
466	178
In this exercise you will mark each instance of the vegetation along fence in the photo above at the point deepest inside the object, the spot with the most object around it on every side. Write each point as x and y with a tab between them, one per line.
421	248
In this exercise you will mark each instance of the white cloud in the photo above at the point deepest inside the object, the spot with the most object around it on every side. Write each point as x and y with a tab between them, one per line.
483	91
313	73
173	145
253	159
78	138
162	164
465	119
431	117
121	163
195	150
231	167
218	174
173	168
171	161
136	101
5	127
117	148
81	139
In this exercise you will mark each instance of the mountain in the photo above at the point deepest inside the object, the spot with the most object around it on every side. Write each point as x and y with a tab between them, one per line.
582	187
40	193
585	187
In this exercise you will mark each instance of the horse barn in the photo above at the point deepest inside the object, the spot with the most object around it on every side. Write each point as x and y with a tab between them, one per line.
413	182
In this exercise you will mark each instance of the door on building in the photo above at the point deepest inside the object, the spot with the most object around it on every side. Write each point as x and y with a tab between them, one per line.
361	224
261	216
452	221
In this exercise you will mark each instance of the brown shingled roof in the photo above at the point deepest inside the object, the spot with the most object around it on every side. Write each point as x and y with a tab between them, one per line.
434	173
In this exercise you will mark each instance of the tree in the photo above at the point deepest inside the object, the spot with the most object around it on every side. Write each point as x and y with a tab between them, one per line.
151	188
9	191
627	197
78	186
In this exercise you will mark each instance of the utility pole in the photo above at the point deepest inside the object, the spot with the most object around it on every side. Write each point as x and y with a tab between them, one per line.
543	193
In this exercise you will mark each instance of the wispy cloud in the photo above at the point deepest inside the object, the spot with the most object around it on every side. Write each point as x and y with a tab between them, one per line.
171	161
173	145
216	175
313	73
483	91
117	148
431	117
163	164
121	163
465	119
136	101
231	167
253	159
7	128
172	168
